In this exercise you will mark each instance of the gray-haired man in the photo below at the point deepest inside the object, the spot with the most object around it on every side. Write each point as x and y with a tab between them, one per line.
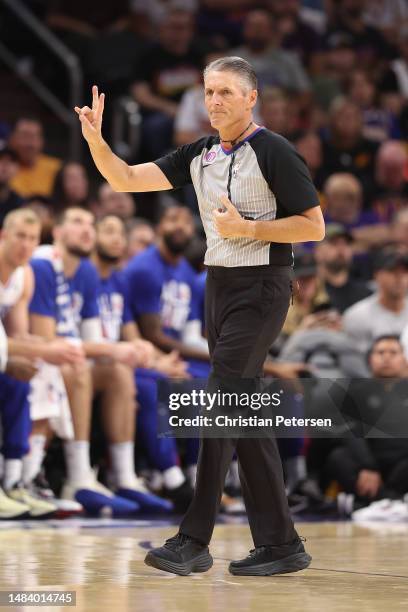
268	202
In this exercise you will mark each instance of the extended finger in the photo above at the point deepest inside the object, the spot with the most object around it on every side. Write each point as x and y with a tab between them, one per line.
101	105
95	97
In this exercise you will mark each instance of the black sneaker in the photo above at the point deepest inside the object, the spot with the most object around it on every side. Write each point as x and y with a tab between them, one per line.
180	496
269	560
180	555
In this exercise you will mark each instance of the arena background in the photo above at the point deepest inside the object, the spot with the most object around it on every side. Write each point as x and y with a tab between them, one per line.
333	80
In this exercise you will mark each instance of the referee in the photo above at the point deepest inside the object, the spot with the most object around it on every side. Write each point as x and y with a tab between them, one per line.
255	197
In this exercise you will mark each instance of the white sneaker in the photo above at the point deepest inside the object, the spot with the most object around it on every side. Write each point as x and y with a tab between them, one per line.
38	508
41	489
10	509
387	510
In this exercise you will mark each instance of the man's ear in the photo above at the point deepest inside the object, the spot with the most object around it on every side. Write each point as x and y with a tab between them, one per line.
253	97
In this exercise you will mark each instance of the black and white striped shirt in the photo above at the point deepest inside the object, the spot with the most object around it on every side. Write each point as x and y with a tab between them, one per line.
263	176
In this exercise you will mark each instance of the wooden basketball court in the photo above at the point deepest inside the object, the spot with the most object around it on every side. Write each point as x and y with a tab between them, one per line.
354	567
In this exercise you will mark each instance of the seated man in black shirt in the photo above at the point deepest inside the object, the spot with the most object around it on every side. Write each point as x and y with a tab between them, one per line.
334	257
376	467
168	69
9	199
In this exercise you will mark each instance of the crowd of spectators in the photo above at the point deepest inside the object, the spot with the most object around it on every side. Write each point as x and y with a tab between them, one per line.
333	79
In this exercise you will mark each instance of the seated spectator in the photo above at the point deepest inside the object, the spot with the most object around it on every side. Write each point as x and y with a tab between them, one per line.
308	295
140	235
42	207
309	145
279	113
192	121
338	61
378	123
369	42
395	79
71	187
321	344
390	191
36	171
345	149
169	68
274	66
386	311
152	13
297	35
222	20
386	15
343	200
111	202
375	467
334	257
9	199
399	231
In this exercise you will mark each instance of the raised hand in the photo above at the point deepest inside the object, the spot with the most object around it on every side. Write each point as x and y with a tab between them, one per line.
91	118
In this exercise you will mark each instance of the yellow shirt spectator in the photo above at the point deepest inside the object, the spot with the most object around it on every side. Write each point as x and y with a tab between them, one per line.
37	179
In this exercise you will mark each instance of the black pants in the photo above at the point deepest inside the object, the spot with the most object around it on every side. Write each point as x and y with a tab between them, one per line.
344	468
245	311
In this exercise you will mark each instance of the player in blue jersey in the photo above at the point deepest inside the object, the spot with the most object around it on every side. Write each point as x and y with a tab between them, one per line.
117	322
21	232
65	303
164	303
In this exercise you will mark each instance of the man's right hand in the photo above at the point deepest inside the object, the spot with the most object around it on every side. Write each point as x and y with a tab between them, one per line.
61	351
21	368
91	118
368	483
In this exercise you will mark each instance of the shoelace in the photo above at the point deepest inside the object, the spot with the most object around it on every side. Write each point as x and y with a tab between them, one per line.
255	551
177	542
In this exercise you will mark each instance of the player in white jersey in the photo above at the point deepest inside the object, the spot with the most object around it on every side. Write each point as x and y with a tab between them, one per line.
18	352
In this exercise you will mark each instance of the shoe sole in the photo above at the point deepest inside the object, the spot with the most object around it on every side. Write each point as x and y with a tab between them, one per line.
293	563
201	563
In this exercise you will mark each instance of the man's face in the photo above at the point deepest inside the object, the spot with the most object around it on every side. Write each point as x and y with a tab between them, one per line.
77	232
347	122
387	359
117	203
226	98
335	254
27	140
393	283
8	168
139	239
177	32
177	229
111	239
343	204
258	33
75	182
19	241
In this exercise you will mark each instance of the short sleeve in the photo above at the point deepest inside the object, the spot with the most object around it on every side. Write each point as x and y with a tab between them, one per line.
90	308
176	165
43	301
144	292
287	175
